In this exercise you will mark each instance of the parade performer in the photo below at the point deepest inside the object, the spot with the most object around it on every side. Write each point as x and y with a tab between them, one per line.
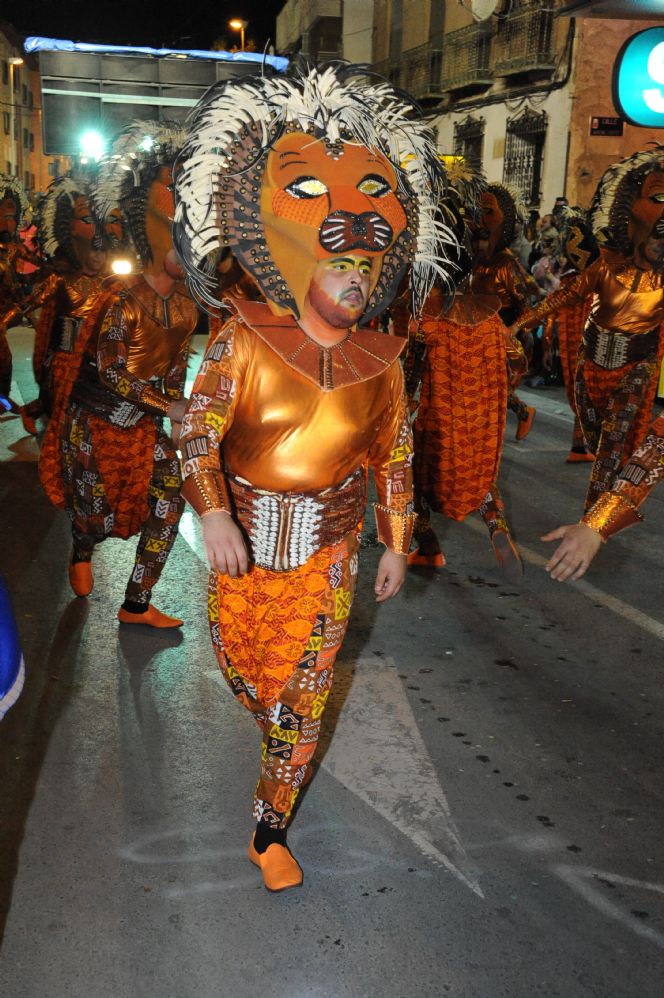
13	205
580	250
118	470
73	249
612	512
498	272
324	188
621	352
463	354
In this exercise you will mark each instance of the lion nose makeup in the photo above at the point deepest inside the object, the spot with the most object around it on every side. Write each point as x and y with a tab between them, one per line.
343	231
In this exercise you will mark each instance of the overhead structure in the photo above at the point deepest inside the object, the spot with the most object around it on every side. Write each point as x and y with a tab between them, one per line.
99	89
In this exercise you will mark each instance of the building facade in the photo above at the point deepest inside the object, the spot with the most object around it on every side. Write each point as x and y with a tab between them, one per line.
512	85
21	149
323	30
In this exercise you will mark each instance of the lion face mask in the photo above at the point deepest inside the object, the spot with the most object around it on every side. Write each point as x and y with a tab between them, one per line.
287	173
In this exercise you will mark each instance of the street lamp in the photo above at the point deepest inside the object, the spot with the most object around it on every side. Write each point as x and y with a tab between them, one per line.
237	24
14	60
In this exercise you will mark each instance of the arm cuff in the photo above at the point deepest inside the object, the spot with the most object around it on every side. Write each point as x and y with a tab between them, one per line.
207	492
611	513
395	529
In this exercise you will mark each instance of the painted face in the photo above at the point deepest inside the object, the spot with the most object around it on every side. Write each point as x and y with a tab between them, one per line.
339	289
83	229
7	219
647	219
114	227
320	202
159	212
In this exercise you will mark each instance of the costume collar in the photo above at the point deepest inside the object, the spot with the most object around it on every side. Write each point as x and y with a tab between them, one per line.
361	355
630	276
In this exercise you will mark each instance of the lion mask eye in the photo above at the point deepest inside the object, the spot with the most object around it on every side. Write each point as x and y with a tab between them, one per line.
306	187
374	186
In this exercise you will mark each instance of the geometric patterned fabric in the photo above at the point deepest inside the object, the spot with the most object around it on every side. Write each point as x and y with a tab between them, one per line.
276	636
460	425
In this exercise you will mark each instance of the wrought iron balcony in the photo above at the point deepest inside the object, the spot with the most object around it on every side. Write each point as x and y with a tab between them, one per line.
421	69
467	62
389	70
524	40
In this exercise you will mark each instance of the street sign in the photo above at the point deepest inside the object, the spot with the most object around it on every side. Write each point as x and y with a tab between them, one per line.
606	125
638	79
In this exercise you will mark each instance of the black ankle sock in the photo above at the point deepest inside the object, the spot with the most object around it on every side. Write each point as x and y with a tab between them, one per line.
75	560
266	836
135	607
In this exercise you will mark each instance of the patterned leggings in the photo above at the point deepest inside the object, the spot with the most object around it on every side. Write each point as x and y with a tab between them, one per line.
289	715
159	529
615	410
491	509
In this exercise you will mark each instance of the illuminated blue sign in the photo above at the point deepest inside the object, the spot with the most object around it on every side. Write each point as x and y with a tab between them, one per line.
638	79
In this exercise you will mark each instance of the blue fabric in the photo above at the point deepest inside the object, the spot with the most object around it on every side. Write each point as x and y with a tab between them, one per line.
12	670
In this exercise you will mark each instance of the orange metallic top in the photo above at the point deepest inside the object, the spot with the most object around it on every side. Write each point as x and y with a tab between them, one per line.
143	342
503	275
160	327
626	298
291	416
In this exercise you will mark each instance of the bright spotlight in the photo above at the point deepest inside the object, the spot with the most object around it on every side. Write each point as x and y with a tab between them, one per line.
121	267
147	144
92	144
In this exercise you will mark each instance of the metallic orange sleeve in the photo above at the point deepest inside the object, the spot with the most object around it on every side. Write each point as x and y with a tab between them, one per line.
610	514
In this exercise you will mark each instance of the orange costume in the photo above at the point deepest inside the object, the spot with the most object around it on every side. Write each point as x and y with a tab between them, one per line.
619	508
497	272
294	401
294	483
621	352
618	361
460	424
73	247
108	462
13	203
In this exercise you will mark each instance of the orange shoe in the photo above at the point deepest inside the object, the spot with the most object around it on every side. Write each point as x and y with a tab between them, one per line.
29	424
151	618
576	456
507	556
80	578
524	426
427	560
280	869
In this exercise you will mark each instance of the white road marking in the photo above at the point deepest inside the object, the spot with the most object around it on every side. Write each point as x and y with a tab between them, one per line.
580	879
591	592
377	752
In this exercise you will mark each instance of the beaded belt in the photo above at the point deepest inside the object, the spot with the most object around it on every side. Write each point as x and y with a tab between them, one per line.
285	528
65	333
610	348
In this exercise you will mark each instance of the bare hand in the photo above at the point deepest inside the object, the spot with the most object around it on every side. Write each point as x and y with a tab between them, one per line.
390	575
579	545
177	409
224	544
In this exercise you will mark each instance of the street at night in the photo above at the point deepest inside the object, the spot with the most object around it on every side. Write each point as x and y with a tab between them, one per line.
485	819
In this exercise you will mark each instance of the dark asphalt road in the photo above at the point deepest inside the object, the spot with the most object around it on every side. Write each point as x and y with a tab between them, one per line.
486	821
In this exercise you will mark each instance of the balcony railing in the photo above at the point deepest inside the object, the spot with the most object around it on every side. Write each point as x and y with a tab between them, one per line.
421	70
390	71
524	41
467	62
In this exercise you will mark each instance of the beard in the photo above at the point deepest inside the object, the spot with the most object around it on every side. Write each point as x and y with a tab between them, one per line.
339	314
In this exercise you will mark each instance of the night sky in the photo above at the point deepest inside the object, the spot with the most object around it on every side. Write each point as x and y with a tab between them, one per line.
164	24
